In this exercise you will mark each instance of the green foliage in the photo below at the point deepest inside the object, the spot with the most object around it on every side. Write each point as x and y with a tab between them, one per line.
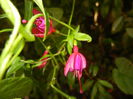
82	37
129	32
117	25
87	85
106	84
123	75
93	70
111	37
15	66
15	87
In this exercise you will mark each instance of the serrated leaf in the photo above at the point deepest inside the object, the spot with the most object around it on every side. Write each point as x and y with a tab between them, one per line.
82	37
16	87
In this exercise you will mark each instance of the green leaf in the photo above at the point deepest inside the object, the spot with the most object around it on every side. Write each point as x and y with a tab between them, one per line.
95	70
94	91
82	37
87	85
123	76
69	48
101	89
70	40
123	81
16	65
104	8
117	25
28	9
124	65
105	83
15	87
71	79
103	94
129	32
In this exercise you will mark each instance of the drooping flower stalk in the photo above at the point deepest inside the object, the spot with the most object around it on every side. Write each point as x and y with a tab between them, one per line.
76	63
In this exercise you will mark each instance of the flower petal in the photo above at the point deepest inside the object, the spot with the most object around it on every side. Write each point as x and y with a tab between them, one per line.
39	35
69	64
35	30
45	62
42	65
35	11
83	61
77	62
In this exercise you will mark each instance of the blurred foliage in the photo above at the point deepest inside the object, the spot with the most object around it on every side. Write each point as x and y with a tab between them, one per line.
109	55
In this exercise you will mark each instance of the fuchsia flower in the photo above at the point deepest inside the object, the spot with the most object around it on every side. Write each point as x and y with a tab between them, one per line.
76	63
40	26
44	60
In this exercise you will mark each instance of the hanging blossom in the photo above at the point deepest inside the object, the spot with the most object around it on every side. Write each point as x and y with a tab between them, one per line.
75	63
44	60
40	26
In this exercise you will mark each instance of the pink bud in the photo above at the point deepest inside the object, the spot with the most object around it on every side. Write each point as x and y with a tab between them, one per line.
24	21
44	60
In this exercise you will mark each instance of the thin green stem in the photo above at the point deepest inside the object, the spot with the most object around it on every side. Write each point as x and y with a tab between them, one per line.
9	58
58	32
5	30
54	74
19	41
66	25
62	93
70	19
